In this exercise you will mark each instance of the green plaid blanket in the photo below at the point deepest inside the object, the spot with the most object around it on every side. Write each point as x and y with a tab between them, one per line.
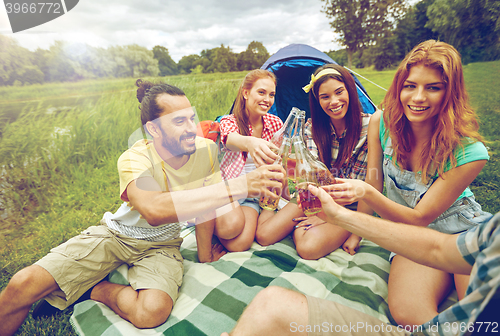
213	296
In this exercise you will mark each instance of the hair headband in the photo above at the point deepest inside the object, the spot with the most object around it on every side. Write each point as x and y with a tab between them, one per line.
320	74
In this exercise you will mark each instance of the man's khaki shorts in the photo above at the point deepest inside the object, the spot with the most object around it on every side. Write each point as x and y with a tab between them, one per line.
86	259
331	318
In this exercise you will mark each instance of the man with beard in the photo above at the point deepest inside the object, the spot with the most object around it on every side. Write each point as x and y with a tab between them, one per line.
171	178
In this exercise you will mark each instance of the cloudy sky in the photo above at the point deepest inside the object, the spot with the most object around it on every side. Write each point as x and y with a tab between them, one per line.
184	27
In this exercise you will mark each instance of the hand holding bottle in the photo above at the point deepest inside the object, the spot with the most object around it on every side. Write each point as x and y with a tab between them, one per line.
261	151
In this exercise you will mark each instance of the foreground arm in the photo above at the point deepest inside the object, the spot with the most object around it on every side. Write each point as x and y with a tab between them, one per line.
159	207
441	251
440	196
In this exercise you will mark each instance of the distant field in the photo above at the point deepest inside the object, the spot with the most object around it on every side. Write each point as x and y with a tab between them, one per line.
58	163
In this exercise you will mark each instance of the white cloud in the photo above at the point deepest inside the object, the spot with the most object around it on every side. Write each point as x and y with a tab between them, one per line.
184	28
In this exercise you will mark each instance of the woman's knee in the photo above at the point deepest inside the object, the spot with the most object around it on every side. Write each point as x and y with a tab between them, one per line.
405	315
230	227
409	311
307	248
262	236
240	244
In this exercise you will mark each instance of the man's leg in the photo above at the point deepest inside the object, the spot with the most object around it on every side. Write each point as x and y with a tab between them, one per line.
155	277
274	311
146	308
25	288
280	311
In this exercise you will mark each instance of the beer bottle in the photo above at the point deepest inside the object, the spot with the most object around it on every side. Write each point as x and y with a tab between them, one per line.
282	139
305	175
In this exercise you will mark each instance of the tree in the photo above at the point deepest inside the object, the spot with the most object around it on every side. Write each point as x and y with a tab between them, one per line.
392	46
186	63
385	52
134	61
471	26
166	64
16	64
252	58
411	29
224	60
360	22
339	56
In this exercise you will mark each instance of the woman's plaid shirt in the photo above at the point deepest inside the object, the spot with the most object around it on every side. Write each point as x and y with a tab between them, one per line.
355	166
233	162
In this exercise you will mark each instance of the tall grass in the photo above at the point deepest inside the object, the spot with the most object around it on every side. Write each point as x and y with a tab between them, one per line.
46	91
59	165
59	168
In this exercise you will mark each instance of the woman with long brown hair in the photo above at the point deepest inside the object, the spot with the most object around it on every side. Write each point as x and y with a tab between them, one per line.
336	134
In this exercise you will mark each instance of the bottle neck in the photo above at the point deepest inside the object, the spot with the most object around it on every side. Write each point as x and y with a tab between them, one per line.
289	125
295	121
299	127
300	148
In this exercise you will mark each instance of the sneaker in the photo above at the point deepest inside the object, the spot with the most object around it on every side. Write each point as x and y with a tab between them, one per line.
44	309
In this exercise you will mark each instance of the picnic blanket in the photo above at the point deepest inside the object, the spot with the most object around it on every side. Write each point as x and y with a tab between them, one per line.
214	295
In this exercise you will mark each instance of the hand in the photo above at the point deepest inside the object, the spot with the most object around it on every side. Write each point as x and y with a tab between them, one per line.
308	222
330	208
264	178
216	252
351	245
347	191
260	150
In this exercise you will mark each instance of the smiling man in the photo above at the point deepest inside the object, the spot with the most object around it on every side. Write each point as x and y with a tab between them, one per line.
170	177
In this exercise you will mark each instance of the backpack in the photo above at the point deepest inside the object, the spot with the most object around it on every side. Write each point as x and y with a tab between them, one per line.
209	129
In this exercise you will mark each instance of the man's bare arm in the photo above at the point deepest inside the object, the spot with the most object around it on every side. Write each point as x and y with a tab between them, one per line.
159	207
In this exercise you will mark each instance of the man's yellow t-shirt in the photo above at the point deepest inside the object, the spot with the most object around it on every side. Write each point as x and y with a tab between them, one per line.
142	160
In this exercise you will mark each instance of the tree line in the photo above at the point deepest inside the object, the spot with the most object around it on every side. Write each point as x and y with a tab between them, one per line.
381	33
373	32
65	61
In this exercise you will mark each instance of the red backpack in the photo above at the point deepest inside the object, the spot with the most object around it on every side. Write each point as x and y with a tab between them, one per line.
209	129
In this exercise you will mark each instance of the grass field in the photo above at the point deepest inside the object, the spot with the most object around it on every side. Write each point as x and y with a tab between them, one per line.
58	166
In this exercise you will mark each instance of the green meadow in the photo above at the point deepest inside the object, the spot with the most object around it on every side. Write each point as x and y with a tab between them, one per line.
58	162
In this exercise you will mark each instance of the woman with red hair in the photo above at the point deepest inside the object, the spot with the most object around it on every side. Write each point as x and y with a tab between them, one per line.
426	146
246	135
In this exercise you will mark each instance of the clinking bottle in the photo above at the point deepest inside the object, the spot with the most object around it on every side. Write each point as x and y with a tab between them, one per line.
323	174
283	140
308	171
286	131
